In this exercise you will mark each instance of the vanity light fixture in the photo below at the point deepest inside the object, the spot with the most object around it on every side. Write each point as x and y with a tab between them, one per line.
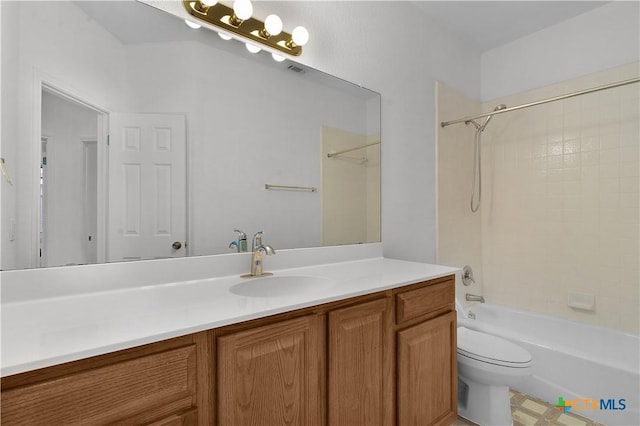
272	26
206	4
299	37
192	24
242	10
237	22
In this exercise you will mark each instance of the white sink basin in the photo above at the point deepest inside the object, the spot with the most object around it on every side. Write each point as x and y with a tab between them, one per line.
278	286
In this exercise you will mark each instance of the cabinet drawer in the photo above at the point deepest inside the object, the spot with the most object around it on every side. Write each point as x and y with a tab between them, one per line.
106	394
415	303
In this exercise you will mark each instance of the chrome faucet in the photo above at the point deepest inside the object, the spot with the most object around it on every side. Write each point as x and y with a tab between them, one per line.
474	298
239	245
258	250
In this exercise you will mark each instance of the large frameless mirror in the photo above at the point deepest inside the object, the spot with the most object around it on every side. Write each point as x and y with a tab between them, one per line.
131	136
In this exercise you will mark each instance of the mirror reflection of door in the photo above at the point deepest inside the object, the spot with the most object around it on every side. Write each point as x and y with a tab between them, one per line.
68	182
147	187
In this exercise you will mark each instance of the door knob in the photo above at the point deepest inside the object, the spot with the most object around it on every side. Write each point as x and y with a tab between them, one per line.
177	245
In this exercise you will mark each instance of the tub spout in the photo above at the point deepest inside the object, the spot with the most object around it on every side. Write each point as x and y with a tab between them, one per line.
474	298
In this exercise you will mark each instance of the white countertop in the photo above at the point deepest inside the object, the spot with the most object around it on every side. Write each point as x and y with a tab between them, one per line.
43	332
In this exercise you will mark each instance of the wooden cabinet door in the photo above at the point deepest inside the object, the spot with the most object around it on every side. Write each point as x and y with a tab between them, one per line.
273	374
360	365
128	392
427	372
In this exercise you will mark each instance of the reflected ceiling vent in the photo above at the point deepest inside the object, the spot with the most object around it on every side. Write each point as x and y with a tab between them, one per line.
296	69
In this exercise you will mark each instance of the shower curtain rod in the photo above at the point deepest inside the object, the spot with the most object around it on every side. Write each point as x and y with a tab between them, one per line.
334	154
544	101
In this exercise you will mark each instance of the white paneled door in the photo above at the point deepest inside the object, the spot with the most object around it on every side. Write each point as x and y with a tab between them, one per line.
147	187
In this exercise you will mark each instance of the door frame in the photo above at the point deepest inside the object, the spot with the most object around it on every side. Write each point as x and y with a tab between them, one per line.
86	146
44	82
42	207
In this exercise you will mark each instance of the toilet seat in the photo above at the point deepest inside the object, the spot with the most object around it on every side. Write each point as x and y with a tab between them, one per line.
491	349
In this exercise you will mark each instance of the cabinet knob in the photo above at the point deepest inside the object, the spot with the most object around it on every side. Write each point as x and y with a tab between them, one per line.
177	245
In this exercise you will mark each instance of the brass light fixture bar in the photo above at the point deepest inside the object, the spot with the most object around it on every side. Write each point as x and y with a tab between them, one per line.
251	29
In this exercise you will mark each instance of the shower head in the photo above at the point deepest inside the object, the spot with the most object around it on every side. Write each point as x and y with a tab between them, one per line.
486	121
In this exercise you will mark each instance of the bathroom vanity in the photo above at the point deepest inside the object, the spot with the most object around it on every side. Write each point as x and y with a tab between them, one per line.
376	347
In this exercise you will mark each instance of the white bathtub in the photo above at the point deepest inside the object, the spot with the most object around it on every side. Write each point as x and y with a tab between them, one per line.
570	359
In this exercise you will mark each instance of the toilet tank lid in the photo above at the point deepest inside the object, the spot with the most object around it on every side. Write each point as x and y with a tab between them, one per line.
490	347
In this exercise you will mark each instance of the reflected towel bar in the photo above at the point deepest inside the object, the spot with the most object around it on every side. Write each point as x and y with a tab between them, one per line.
297	188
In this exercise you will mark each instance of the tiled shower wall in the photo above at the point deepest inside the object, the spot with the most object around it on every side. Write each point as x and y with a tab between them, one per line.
560	205
559	211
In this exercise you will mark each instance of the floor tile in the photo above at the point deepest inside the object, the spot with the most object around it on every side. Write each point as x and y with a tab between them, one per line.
529	411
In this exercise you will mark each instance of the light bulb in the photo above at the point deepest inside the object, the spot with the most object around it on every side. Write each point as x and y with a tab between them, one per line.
277	57
224	36
300	36
243	9
273	25
252	48
192	24
203	6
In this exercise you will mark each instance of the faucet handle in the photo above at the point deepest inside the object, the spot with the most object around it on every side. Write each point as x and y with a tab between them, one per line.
234	245
467	275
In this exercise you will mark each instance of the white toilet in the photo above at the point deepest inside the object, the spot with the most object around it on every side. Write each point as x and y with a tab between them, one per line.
487	366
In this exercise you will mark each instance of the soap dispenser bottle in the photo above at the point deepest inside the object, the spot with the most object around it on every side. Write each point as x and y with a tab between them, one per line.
242	241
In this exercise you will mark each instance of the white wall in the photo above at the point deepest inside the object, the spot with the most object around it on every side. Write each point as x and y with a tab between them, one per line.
602	38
